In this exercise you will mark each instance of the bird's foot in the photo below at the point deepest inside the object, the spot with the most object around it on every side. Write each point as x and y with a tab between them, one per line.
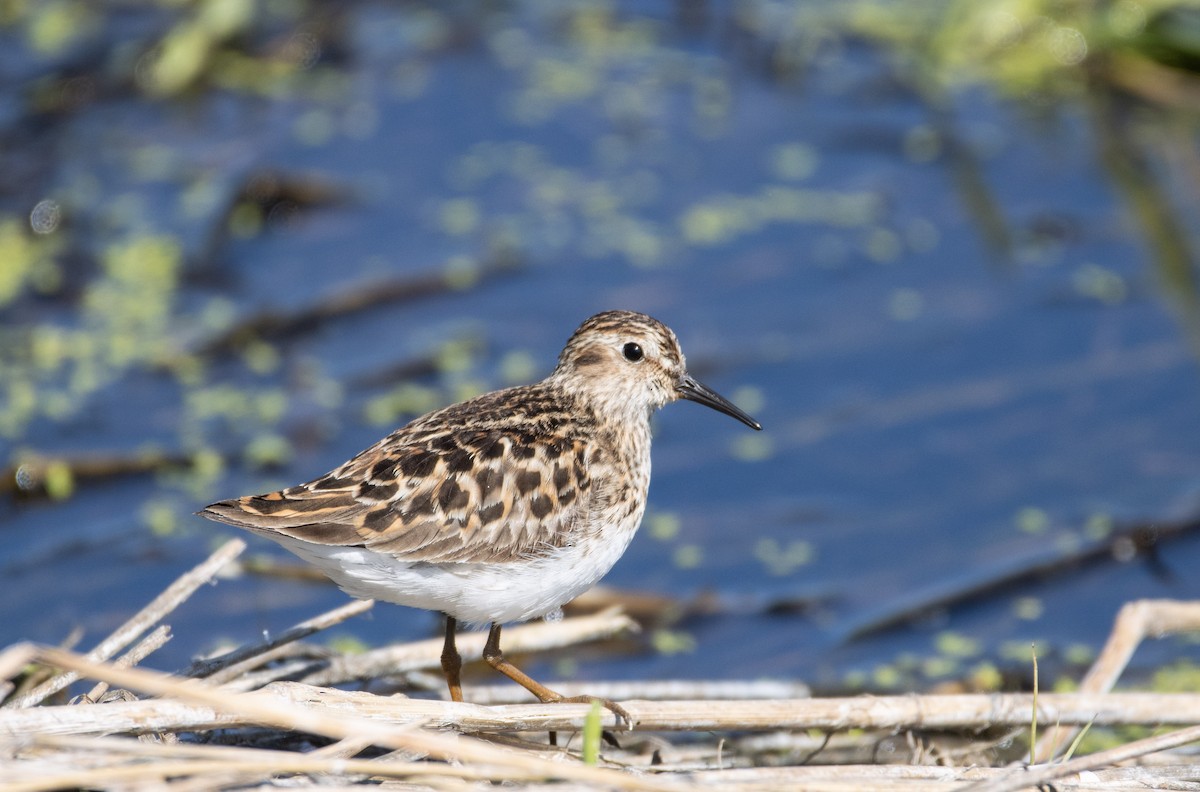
612	706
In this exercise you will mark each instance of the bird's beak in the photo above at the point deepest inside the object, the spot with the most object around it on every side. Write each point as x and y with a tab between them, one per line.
692	390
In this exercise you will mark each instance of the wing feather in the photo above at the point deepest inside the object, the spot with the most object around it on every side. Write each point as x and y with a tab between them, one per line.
495	495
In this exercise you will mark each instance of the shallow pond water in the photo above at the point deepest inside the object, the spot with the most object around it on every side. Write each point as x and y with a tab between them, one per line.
959	335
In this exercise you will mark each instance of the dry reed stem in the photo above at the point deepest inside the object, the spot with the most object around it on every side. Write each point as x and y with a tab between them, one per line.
978	711
230	665
398	659
420	655
342	749
208	760
646	689
235	770
140	651
927	778
299	664
1022	778
246	765
357	720
14	659
1135	622
171	597
265	709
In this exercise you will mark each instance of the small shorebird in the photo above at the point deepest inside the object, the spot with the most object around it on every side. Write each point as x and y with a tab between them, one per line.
503	507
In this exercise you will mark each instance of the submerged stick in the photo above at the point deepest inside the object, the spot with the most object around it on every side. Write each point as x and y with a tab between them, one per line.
351	299
26	476
1136	537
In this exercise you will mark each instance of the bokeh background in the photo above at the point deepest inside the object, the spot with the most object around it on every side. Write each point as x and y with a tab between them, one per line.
944	250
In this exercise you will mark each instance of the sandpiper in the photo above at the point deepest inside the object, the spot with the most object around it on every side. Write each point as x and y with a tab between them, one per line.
501	508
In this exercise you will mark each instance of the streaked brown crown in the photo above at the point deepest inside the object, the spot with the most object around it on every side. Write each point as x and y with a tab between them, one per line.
594	364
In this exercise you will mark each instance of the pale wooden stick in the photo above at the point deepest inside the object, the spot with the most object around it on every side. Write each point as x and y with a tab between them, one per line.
254	766
293	667
342	749
13	661
40	675
398	659
140	651
266	708
1135	622
922	778
245	761
15	658
839	778
253	762
647	690
256	763
281	662
1022	778
232	664
885	713
159	607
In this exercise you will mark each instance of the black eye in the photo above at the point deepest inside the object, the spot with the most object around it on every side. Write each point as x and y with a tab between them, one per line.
633	352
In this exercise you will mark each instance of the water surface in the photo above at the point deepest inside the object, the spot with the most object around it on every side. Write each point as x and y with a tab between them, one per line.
957	325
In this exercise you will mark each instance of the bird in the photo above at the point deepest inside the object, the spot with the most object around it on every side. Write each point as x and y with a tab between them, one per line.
501	508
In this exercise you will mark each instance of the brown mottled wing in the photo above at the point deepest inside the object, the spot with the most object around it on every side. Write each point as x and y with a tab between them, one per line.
489	495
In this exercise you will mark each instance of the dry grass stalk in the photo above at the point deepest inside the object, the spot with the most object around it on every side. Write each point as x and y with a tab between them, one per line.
1039	776
335	669
203	761
43	747
1135	622
140	651
926	778
233	664
109	761
886	713
264	708
530	637
143	620
647	689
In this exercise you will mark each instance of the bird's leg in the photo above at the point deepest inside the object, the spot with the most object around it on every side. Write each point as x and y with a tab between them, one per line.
495	658
452	661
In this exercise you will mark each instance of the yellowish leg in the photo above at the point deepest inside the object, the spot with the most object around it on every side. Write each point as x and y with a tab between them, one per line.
452	661
495	658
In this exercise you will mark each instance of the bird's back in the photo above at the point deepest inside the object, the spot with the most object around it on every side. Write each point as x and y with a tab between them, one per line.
509	475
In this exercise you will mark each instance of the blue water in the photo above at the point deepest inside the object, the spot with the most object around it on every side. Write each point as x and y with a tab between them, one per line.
919	387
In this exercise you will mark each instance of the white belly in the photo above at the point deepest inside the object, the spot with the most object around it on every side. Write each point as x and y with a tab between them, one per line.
474	593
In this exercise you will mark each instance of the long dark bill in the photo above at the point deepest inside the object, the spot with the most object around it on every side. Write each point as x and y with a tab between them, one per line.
700	393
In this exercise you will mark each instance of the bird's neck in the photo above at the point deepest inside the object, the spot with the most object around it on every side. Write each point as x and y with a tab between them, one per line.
624	421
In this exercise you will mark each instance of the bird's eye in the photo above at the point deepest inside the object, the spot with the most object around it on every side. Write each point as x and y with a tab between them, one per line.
633	353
